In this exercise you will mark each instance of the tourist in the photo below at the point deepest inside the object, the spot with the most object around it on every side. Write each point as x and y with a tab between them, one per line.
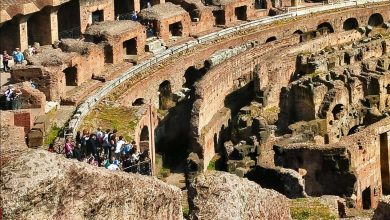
83	140
8	97
92	145
15	101
114	165
18	56
118	147
106	142
6	58
51	148
134	16
68	148
99	135
77	152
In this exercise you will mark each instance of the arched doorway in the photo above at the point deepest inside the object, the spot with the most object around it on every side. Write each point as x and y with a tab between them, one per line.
350	24
138	102
165	95
70	76
144	139
298	33
375	20
337	111
325	28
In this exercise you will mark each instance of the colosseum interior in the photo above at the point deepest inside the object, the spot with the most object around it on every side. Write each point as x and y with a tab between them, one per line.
228	109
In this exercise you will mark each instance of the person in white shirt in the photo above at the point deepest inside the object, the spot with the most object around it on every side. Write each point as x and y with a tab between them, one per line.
114	165
118	147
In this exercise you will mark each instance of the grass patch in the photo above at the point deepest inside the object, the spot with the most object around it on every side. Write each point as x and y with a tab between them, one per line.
211	165
310	209
51	136
107	117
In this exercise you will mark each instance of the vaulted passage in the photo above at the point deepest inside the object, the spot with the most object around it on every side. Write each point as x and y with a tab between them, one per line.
325	27
71	76
375	20
165	95
144	139
350	24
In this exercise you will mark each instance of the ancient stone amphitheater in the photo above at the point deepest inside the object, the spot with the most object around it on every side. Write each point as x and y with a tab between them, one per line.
248	109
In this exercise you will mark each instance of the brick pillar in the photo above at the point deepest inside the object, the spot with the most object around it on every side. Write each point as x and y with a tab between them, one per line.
137	5
52	24
23	34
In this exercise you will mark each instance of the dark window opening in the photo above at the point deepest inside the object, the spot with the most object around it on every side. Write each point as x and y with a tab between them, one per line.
270	39
240	13
375	20
123	8
337	111
219	17
366	197
176	29
130	47
108	54
139	102
347	59
260	4
165	95
97	16
350	24
70	76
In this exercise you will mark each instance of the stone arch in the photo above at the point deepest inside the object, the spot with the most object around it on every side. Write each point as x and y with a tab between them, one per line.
144	139
375	20
270	39
350	24
298	33
138	102
165	95
339	108
325	27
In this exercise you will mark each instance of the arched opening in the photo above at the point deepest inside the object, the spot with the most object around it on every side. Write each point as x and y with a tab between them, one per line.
270	39
69	28
144	139
350	24
366	198
70	76
337	111
165	95
375	20
325	28
193	11
354	129
219	17
130	47
240	13
138	102
298	33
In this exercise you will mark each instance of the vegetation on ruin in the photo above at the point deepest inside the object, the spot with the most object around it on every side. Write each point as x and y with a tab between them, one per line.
52	134
309	209
109	117
315	74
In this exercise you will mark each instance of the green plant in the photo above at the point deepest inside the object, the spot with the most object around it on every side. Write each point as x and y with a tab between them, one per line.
211	165
51	136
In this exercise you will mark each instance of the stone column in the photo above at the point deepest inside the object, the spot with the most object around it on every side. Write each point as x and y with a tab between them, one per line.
23	34
52	26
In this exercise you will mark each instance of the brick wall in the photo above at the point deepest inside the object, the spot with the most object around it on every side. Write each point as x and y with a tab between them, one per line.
23	119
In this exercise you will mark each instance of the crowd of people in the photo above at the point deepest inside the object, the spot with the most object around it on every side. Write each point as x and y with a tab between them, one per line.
107	149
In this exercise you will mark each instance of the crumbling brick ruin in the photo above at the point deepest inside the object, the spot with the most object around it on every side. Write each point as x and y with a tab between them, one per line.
293	96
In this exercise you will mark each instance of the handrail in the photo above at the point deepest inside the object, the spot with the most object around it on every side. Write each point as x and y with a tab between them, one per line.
91	101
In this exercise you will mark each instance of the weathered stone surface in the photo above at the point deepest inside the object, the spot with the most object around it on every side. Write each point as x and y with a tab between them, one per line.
37	184
382	212
219	195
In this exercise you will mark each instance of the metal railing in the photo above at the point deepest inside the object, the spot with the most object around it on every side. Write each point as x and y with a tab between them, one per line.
144	168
